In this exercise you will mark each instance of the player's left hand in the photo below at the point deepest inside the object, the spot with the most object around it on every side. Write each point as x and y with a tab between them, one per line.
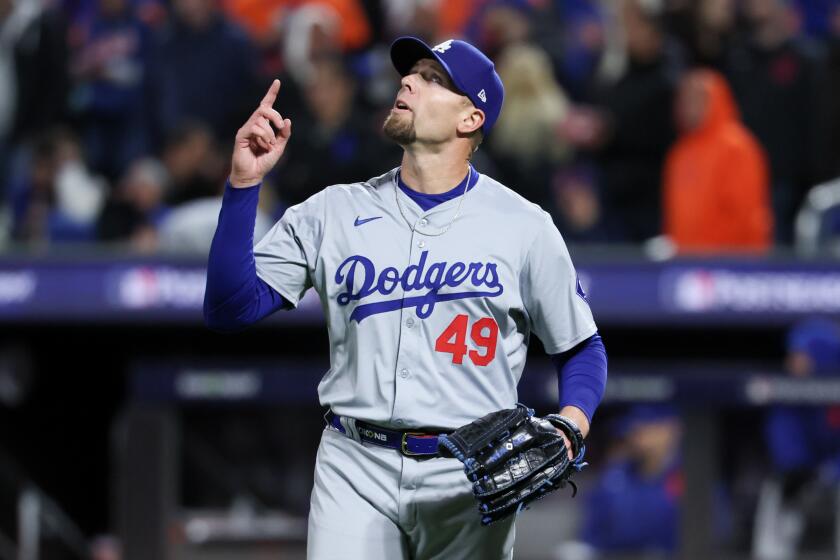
513	458
566	442
577	416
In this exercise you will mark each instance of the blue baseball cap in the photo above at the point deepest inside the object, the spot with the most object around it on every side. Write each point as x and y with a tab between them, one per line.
471	71
820	339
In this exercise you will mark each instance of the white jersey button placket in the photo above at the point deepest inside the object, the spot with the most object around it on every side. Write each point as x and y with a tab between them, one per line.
408	341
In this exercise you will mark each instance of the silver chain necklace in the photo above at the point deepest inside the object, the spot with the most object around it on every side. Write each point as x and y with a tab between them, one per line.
457	210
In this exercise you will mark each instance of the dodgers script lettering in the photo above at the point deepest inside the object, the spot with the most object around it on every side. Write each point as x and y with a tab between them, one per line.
359	277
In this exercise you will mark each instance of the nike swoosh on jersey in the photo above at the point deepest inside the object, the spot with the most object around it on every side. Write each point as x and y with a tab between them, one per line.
360	221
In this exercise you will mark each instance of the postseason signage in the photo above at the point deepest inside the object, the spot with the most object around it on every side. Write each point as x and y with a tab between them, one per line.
712	292
625	292
743	291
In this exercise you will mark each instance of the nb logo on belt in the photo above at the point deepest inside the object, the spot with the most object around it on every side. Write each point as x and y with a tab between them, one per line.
372	435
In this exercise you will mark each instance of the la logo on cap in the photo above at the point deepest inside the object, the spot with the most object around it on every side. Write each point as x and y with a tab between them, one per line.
482	96
443	47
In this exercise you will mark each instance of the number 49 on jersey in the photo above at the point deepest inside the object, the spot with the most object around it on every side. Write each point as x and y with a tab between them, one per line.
483	333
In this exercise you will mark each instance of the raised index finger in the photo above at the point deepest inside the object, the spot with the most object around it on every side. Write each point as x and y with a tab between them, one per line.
269	98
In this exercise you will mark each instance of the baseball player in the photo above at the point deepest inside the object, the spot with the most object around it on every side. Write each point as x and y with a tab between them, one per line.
432	278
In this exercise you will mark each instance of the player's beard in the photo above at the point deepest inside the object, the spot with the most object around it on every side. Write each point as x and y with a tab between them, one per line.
399	129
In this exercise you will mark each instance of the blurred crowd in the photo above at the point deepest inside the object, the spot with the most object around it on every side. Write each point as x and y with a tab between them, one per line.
635	504
677	125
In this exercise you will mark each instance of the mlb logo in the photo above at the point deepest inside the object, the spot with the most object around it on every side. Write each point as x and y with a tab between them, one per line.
443	47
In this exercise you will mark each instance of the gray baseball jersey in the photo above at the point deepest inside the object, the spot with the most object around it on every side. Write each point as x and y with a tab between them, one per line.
429	313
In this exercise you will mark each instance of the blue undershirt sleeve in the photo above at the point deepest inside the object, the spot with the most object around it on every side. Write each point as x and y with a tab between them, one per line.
582	375
235	296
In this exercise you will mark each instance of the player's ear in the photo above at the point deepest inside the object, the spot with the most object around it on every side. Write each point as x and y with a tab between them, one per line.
472	118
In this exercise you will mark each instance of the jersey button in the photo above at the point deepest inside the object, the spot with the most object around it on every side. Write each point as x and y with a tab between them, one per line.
409	322
421	244
404	373
399	422
424	222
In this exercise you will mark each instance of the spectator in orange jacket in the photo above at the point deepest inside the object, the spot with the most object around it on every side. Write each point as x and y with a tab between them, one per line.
263	19
716	185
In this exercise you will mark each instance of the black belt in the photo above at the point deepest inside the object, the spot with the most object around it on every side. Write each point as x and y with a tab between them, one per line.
411	444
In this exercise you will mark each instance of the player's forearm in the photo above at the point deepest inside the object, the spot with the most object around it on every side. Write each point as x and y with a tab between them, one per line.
235	297
582	378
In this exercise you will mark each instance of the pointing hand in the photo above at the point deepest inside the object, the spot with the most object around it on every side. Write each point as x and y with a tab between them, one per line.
257	148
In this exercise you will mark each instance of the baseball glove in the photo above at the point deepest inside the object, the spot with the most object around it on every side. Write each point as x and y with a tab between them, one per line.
514	458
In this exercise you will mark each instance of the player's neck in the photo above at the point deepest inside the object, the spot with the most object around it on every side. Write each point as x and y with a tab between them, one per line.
432	173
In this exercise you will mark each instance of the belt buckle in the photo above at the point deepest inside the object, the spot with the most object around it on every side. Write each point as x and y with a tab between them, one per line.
403	444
